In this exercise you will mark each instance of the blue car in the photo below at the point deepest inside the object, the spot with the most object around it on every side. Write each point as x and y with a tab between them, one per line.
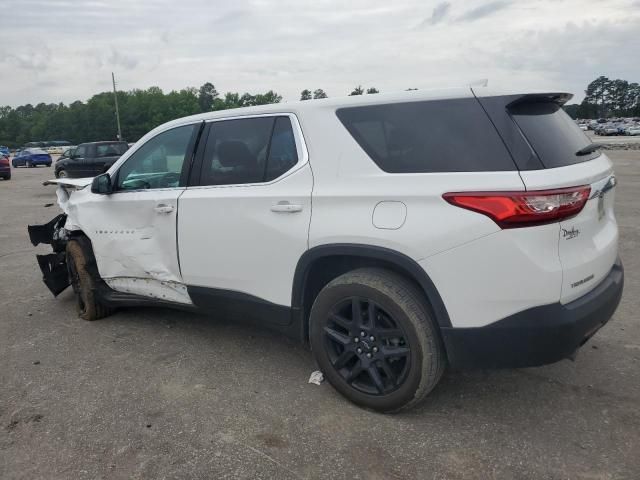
4	151
31	157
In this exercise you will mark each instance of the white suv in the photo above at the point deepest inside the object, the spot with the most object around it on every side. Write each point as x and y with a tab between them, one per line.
394	233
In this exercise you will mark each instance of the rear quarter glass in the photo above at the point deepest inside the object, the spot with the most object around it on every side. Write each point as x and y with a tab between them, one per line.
430	136
553	135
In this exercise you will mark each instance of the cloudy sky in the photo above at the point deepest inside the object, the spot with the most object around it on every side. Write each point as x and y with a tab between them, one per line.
64	50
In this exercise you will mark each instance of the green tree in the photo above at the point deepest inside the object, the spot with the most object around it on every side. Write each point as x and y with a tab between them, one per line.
373	90
357	91
305	94
206	96
319	93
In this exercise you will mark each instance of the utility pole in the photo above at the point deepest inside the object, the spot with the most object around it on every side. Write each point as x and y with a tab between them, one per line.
115	95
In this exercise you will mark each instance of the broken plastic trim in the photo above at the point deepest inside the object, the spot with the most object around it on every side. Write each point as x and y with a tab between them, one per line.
54	271
54	265
51	233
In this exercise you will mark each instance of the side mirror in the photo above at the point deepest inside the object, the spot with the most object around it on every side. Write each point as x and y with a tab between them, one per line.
102	184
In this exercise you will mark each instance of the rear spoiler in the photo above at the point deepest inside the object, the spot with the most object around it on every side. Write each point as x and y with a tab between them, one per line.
558	98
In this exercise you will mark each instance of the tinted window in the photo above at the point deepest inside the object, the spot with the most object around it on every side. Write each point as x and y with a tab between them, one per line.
282	152
80	152
434	136
552	134
250	150
158	163
110	149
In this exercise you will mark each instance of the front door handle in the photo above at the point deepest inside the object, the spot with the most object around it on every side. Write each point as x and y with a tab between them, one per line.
163	208
286	207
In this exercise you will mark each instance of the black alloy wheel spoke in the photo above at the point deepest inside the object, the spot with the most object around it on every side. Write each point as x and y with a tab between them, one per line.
356	312
355	371
390	352
375	376
392	377
343	359
337	336
342	321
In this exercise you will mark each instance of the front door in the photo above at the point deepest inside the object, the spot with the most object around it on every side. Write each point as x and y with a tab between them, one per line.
243	227
133	229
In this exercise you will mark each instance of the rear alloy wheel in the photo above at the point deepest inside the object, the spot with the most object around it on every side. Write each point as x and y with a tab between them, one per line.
375	341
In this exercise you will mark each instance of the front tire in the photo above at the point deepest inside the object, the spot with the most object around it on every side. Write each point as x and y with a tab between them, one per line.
61	173
373	338
83	283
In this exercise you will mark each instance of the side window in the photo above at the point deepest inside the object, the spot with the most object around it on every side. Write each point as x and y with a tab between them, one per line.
80	152
110	149
251	150
429	136
282	153
157	163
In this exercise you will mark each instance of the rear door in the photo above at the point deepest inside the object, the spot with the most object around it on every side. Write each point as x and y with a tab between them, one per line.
588	242
244	222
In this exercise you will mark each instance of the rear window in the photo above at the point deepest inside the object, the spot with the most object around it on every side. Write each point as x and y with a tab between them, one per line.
552	134
423	137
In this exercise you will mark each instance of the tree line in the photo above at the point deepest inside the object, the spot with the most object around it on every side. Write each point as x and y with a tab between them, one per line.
608	98
140	111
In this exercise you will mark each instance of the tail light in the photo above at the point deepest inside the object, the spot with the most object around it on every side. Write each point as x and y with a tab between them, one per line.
4	161
524	209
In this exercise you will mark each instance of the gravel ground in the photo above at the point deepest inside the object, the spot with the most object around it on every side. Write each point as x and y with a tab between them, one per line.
153	394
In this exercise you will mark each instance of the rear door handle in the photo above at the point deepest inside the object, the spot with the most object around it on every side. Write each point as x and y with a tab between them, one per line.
286	207
163	208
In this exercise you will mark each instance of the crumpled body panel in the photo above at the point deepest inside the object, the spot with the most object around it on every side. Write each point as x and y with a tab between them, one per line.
134	245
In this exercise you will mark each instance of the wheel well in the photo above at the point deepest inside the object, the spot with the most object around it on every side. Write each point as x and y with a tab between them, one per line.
324	269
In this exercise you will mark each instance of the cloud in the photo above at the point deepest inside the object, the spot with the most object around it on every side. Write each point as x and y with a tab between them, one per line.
439	13
119	59
288	45
483	10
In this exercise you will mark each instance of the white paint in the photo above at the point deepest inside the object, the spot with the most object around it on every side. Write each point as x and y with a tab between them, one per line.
594	250
389	215
231	238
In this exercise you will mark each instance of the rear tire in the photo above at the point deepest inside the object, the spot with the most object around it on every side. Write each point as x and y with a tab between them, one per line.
83	283
373	338
61	173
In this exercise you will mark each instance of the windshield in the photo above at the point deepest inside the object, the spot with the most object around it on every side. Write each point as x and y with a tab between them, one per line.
552	134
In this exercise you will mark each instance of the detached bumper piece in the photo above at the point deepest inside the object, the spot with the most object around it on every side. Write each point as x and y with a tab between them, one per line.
53	266
54	271
537	336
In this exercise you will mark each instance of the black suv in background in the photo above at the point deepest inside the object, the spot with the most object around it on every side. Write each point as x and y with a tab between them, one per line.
90	159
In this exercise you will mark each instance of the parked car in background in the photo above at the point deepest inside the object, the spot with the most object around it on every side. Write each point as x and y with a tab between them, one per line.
633	130
66	153
607	130
4	150
31	157
57	147
5	168
90	159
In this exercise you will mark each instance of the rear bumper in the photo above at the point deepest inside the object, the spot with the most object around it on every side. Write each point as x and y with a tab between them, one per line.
539	335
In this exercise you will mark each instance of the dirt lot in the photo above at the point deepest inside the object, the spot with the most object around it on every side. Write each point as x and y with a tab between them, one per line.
152	393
